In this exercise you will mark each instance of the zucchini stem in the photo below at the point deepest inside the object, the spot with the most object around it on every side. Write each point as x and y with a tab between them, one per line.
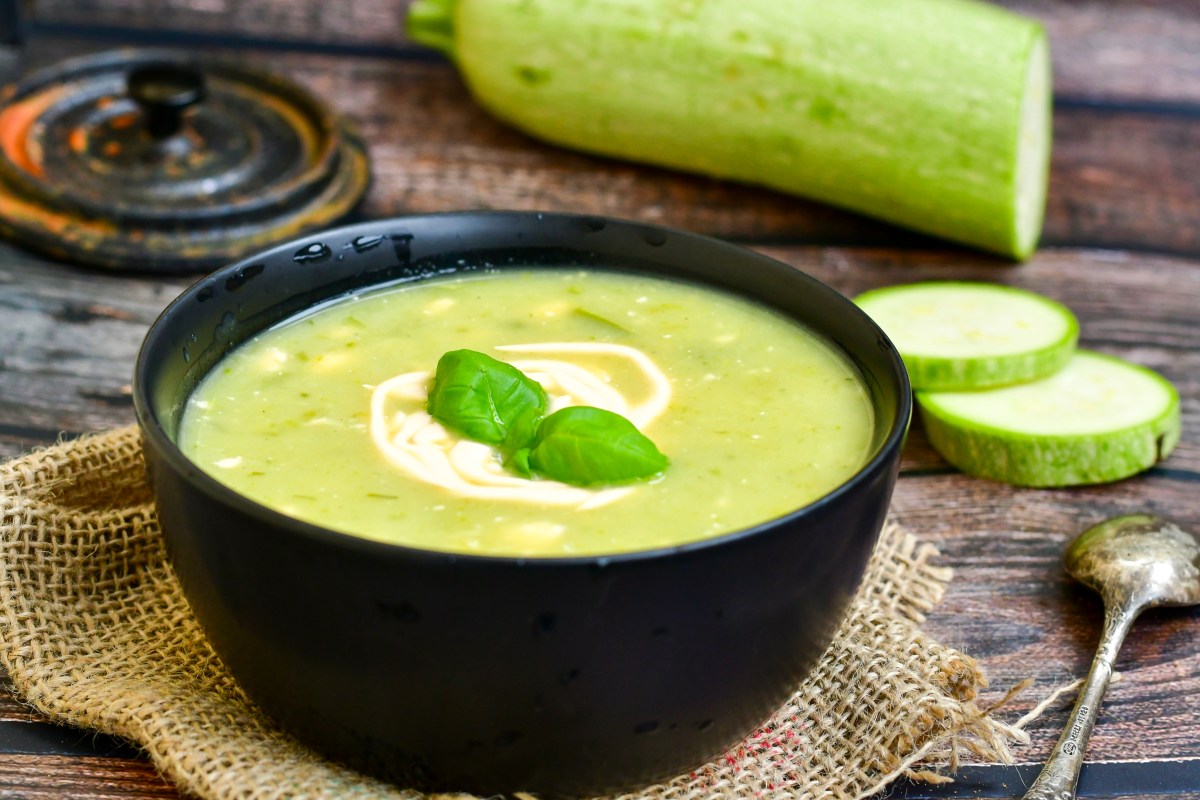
431	23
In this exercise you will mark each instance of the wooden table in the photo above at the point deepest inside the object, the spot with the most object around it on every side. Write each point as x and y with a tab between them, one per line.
1121	247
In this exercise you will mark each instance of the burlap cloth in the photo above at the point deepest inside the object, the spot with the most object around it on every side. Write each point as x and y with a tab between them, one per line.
95	632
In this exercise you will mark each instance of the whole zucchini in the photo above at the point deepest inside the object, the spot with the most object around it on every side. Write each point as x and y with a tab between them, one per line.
933	114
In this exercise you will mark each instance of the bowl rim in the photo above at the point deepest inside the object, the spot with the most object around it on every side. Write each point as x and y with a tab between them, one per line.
151	428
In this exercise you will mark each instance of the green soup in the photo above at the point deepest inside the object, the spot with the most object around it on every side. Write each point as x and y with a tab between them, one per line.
323	418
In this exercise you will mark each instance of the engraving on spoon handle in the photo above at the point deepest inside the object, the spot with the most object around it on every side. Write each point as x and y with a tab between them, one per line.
1060	775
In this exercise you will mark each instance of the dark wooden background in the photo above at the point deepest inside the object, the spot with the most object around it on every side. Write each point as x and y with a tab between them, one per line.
1121	247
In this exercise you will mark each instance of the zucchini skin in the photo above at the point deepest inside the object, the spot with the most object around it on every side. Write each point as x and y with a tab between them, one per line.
949	375
1052	462
931	370
1047	460
907	110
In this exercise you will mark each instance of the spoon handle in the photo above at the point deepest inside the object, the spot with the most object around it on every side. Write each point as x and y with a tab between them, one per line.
1059	777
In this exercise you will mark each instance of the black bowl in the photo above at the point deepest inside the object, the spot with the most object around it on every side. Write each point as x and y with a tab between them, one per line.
493	674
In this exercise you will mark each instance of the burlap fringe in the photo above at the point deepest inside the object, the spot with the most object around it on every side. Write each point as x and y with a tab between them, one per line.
94	632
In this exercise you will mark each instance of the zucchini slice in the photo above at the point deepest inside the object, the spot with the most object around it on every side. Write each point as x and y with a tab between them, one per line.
961	336
1097	420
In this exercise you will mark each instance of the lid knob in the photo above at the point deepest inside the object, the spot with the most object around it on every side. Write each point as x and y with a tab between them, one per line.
163	92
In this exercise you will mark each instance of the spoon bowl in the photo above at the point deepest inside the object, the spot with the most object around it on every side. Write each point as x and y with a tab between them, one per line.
1147	559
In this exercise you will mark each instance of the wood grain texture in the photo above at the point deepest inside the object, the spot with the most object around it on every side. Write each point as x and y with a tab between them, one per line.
11	709
1121	179
1122	248
1004	542
368	23
1121	50
27	777
67	348
1012	606
1102	49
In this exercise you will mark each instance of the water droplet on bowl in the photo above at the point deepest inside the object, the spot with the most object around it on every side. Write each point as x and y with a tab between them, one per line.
366	242
654	237
243	276
311	252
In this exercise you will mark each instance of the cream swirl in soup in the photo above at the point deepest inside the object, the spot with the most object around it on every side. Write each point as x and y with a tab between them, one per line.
410	438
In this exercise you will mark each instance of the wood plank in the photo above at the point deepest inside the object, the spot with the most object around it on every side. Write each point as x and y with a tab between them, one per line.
1127	50
1124	180
1120	179
368	23
1012	606
1097	780
11	709
69	342
30	777
1121	50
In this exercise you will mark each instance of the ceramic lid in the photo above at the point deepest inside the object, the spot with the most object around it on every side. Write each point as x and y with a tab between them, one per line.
161	161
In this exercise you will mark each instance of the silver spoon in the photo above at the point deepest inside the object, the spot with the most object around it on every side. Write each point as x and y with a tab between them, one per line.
1134	562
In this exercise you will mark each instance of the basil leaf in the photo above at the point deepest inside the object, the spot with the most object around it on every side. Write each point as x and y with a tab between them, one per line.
495	403
518	462
583	446
486	400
